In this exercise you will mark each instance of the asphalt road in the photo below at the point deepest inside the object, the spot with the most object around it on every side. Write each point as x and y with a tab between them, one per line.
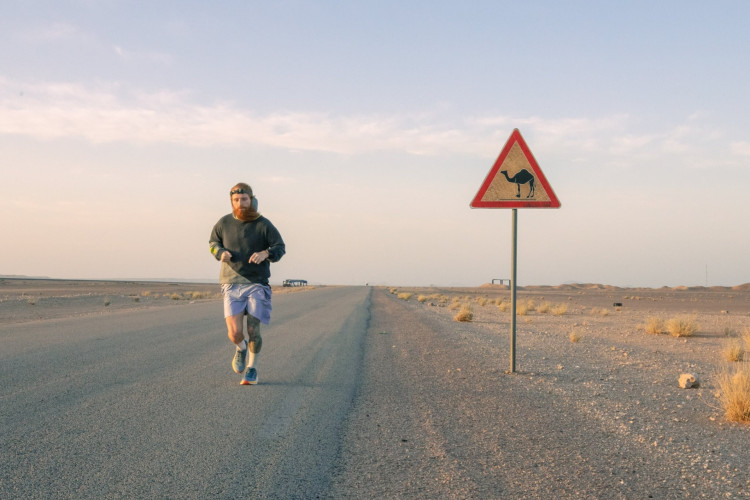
145	405
361	395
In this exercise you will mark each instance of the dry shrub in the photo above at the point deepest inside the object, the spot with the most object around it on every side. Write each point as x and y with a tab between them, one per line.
734	393
522	309
482	301
560	309
733	351
575	336
654	325
544	308
682	327
503	306
599	311
404	295
465	314
530	306
421	298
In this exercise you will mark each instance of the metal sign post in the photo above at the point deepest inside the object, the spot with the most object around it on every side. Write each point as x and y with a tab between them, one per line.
515	167
514	248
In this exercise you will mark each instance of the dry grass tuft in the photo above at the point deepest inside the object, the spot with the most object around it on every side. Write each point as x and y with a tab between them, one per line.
575	336
734	351
465	314
599	311
654	325
544	308
404	295
503	306
734	393
522	309
560	309
421	298
682	327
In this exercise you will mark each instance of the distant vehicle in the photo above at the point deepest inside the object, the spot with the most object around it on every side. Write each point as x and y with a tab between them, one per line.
294	283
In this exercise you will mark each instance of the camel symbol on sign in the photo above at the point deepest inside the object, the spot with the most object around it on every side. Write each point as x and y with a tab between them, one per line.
522	177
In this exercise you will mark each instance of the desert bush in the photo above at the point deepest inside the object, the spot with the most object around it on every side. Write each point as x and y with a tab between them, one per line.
107	302
575	336
544	308
734	393
560	309
530	306
482	301
503	306
522	309
421	298
682	327
654	325
599	311
465	314
734	351
175	296
404	295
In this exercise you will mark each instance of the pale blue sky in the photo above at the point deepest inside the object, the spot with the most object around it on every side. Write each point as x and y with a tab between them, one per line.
366	128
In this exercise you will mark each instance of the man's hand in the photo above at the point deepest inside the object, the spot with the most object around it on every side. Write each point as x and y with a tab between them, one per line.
226	256
258	257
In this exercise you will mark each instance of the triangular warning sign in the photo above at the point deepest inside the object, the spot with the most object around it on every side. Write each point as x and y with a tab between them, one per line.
515	180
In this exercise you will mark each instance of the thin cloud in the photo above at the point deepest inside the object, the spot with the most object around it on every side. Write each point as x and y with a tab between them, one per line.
147	56
109	113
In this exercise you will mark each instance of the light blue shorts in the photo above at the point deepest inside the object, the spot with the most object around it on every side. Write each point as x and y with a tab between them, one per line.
252	298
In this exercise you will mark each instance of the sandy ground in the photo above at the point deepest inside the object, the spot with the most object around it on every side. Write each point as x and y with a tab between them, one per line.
615	377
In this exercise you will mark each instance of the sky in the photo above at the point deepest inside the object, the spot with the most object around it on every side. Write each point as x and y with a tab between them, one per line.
366	129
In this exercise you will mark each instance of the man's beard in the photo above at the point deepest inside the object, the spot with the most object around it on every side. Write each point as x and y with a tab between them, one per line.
245	214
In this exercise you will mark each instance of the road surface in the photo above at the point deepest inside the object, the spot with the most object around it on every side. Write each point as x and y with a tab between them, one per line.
361	395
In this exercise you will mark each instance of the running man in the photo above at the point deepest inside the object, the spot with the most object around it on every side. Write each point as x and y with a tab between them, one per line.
245	243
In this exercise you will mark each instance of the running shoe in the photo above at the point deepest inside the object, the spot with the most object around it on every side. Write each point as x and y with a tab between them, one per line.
238	362
250	377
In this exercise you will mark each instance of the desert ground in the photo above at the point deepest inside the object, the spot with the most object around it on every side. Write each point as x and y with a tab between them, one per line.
38	299
582	347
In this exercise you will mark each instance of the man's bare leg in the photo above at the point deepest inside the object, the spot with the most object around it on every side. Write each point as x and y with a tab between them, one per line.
235	327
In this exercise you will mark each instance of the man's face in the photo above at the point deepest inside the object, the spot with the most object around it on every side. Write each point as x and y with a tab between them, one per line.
240	200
